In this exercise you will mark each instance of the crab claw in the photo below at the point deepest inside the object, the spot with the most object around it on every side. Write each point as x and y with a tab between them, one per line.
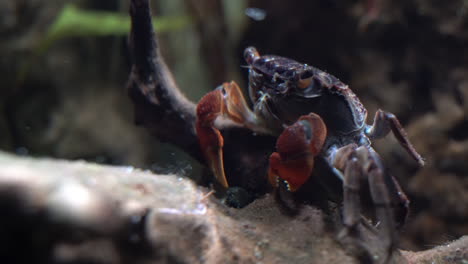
296	148
210	139
226	100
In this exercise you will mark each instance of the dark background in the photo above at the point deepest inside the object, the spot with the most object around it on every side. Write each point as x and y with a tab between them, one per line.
408	57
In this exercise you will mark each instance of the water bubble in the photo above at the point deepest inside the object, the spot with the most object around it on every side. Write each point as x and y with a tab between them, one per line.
256	14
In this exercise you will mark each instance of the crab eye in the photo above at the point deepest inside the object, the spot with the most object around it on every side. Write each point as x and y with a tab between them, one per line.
250	55
305	80
304	83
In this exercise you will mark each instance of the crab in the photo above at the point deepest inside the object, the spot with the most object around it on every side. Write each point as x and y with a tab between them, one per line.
318	123
313	115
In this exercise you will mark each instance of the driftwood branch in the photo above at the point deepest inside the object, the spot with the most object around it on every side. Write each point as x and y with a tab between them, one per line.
159	104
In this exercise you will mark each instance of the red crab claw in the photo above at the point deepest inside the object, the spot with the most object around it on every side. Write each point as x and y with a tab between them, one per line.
297	146
226	100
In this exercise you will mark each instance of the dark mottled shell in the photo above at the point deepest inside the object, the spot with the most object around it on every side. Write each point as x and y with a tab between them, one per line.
285	68
271	67
335	86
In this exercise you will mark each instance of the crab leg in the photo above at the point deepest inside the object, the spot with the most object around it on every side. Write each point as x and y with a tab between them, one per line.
226	100
352	204
383	200
360	164
297	147
383	123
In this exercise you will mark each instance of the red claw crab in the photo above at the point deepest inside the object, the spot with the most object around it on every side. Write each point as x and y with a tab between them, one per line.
323	144
312	114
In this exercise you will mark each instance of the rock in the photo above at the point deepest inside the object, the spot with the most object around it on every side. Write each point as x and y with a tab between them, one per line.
73	211
454	252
